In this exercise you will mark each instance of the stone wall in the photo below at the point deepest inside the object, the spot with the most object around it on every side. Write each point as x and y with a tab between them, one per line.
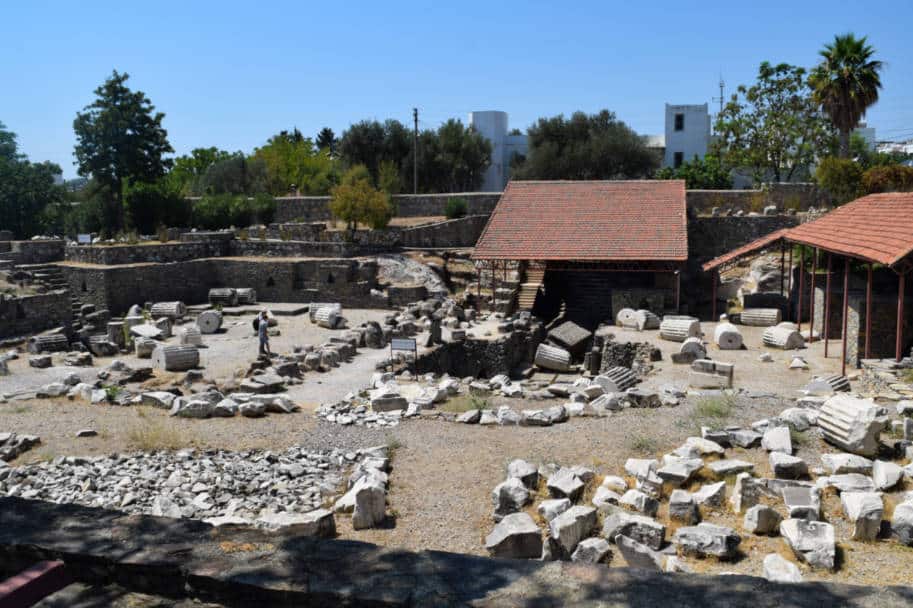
462	232
116	288
797	197
316	208
23	315
33	252
709	237
483	358
161	253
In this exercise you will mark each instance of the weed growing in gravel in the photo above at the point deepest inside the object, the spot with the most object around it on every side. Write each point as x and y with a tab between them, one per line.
907	376
152	435
642	444
715	409
21	409
465	403
798	438
112	391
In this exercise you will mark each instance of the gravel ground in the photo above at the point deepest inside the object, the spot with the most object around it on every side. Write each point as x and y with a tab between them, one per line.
443	475
122	429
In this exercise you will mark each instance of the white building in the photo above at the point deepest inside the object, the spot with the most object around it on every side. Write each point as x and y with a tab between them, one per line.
493	126
687	133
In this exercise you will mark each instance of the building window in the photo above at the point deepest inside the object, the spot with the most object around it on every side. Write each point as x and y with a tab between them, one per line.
679	122
677	159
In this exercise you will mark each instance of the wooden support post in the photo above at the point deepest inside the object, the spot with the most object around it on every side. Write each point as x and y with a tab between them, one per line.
846	301
782	265
801	288
811	304
716	278
678	289
901	284
789	286
827	303
868	314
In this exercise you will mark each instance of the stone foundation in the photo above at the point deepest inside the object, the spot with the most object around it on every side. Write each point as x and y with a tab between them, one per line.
24	315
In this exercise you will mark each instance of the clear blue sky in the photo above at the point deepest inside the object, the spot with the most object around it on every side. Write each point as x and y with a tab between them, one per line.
230	74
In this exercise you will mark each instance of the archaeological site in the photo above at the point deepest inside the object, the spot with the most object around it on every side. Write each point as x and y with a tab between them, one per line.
580	391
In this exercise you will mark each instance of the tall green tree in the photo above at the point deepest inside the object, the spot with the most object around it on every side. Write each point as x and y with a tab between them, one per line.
235	175
596	146
773	127
188	169
370	142
292	160
120	138
700	174
846	83
326	140
26	188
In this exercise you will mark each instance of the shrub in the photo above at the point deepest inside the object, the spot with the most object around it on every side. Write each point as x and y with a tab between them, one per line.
150	205
841	177
213	211
455	208
715	408
359	202
263	207
888	178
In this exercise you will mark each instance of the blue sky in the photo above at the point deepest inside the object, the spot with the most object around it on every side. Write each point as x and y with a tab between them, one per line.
230	74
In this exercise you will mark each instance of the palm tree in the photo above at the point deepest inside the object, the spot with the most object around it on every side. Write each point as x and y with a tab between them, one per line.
846	83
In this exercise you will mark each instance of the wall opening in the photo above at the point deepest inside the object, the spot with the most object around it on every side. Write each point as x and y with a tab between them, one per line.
270	282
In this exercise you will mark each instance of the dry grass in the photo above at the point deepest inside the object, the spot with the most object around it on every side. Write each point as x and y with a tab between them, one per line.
906	376
642	444
465	403
149	435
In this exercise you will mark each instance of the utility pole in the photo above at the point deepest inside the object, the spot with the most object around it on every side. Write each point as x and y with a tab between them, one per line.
415	151
721	99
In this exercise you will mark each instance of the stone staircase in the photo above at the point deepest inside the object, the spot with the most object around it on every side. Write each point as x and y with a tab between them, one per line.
52	278
529	289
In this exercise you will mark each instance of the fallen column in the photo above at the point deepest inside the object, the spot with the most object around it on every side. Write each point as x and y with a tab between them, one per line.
175	358
727	336
678	328
172	310
760	317
209	321
784	335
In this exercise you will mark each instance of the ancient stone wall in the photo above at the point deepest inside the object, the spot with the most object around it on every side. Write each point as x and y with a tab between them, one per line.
483	358
33	252
462	232
797	197
316	208
161	253
116	288
23	315
709	237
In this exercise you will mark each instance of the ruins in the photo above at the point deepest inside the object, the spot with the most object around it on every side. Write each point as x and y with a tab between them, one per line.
604	375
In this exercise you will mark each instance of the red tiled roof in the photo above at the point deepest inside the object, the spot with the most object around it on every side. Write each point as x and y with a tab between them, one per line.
587	220
746	249
877	227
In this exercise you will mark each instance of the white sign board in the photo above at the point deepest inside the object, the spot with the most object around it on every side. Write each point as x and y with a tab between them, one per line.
402	344
84	239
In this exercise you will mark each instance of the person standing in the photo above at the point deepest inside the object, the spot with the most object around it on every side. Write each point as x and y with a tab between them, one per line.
262	332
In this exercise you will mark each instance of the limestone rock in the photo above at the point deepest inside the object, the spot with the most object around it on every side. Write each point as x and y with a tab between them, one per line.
570	527
646	530
778	569
711	495
865	510
902	523
639	501
886	475
370	503
525	471
839	464
509	497
777	439
592	551
552	508
812	542
786	466
565	484
761	519
639	555
515	536
708	539
683	508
